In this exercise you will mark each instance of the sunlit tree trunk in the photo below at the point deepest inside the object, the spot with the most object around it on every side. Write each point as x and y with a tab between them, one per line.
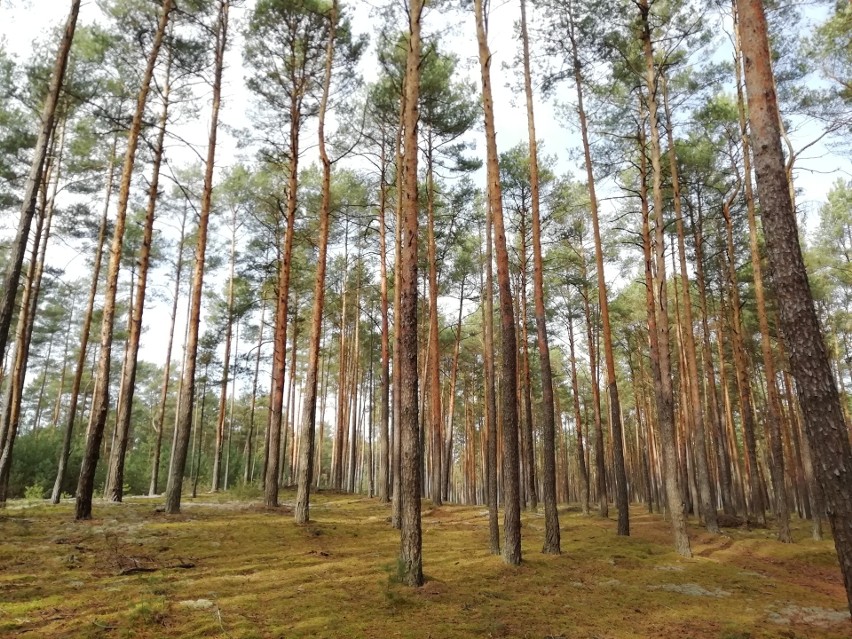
100	401
548	425
490	394
434	354
705	491
773	414
114	490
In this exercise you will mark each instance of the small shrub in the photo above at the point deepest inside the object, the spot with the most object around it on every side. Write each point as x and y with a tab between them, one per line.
34	492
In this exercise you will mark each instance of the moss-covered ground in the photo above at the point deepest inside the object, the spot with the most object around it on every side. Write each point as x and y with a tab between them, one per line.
229	568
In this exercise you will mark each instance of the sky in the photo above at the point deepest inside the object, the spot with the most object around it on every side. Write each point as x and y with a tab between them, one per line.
24	21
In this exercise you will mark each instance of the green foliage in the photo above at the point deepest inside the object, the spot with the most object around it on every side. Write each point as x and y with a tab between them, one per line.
34	492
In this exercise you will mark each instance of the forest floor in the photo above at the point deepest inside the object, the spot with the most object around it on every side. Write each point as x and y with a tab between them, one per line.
231	569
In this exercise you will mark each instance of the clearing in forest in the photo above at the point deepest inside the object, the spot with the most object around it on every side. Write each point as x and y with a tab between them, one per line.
233	569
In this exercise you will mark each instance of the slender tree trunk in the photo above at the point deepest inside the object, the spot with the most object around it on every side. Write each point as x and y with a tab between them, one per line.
115	488
11	414
396	506
621	499
100	401
658	320
217	479
84	334
411	562
199	434
712	393
384	392
34	179
490	394
773	415
600	465
279	359
705	492
526	421
755	501
184	423
249	449
164	390
434	354
451	406
509	346
823	417
352	410
581	454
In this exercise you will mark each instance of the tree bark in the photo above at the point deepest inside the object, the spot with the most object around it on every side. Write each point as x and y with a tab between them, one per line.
114	491
164	390
705	492
509	346
621	499
658	319
33	182
184	424
100	401
826	429
578	422
773	413
411	562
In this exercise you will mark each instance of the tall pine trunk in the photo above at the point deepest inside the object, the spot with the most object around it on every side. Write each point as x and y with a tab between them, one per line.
153	489
705	492
114	490
825	426
174	487
411	562
15	259
100	401
621	499
509	345
658	319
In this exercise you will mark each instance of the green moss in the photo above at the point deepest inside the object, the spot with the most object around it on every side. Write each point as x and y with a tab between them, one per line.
266	577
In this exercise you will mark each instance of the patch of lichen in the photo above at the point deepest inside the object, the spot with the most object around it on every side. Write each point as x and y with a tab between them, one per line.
226	568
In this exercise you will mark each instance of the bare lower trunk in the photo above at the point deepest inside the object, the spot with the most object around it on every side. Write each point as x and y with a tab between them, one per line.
174	487
705	492
825	426
658	320
114	490
164	391
509	346
621	499
411	562
100	401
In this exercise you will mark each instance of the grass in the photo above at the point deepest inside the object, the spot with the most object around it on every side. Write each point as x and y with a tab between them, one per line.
232	569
